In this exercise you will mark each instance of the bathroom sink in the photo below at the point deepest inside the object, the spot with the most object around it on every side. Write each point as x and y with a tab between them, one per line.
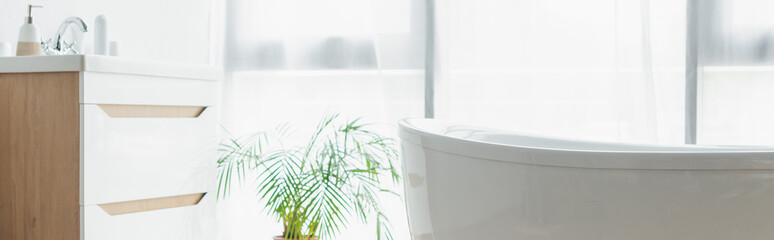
107	64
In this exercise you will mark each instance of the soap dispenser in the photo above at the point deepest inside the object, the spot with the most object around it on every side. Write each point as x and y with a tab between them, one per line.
29	36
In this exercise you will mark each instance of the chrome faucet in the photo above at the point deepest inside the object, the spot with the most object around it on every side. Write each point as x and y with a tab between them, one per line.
57	45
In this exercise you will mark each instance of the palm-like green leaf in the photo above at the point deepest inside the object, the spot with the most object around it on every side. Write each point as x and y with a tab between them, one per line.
315	188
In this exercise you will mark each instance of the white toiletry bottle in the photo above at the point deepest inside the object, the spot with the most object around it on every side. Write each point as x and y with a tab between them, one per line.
113	48
100	35
29	36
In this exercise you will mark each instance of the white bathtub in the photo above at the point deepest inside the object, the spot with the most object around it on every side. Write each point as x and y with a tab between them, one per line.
467	183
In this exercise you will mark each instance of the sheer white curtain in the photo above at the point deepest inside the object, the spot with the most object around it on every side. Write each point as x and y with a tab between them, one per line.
592	69
297	60
736	87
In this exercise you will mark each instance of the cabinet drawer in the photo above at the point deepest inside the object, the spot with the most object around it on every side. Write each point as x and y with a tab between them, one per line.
132	154
181	223
111	88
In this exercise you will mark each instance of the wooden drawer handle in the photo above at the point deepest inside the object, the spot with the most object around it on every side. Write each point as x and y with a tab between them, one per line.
151	111
142	205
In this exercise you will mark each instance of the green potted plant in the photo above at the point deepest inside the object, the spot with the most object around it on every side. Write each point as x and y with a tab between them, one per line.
314	188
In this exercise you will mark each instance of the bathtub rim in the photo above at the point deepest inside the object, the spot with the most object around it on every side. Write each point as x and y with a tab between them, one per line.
758	158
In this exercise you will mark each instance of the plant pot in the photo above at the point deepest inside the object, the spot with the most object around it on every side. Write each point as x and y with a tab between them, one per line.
280	237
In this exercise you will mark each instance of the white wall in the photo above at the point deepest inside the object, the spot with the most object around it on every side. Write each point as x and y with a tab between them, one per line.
170	30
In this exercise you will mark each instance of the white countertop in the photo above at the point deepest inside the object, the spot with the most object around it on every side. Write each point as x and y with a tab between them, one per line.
108	64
